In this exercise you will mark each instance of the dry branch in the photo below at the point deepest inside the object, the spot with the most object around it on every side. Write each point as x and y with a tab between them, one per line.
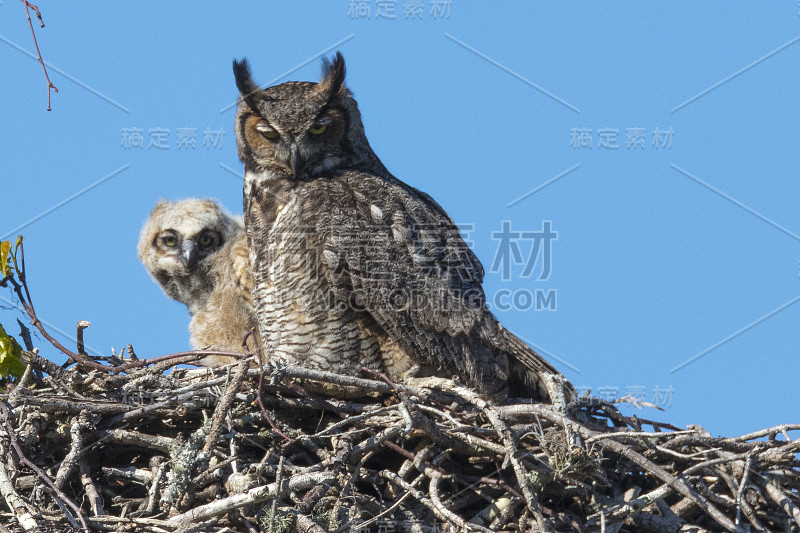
28	7
193	451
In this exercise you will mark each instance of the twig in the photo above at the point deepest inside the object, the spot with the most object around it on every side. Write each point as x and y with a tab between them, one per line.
20	385
82	325
742	485
42	364
71	460
36	44
93	495
300	481
453	518
783	428
155	486
278	480
224	404
637	435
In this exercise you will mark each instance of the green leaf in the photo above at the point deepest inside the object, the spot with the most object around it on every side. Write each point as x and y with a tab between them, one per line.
16	251
10	356
5	266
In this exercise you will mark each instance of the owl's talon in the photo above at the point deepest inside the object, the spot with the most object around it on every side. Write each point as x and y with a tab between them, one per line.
412	372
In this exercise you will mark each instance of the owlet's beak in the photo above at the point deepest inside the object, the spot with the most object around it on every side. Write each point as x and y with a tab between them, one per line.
188	253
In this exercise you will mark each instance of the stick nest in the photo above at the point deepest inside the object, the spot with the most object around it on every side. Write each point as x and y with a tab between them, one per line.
196	451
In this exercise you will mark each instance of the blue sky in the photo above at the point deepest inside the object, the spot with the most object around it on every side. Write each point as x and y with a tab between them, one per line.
659	141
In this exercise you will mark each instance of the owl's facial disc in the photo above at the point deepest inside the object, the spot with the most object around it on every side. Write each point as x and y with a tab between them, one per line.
300	146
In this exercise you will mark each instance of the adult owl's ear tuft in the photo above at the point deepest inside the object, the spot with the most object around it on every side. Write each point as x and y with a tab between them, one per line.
244	80
333	73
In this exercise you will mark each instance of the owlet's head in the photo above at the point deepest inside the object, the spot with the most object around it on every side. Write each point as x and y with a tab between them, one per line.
178	241
299	130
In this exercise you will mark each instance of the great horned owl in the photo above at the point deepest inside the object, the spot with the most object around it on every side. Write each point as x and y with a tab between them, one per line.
352	266
199	256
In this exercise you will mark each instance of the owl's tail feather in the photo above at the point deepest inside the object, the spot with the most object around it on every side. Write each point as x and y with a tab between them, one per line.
531	374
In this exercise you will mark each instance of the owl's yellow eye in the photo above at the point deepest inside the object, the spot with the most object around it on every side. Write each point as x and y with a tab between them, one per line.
318	129
205	240
267	131
169	240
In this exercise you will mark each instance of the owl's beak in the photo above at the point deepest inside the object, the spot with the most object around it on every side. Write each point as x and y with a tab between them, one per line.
188	253
296	160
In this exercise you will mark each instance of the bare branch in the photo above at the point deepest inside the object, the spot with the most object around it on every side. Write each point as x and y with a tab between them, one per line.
28	7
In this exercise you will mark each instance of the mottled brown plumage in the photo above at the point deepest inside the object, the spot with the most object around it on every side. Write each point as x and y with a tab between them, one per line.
199	256
352	266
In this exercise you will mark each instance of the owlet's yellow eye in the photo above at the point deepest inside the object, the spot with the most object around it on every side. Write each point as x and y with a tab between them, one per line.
318	129
169	240
205	240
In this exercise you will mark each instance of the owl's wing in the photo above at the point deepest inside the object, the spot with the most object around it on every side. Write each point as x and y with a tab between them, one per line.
392	251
